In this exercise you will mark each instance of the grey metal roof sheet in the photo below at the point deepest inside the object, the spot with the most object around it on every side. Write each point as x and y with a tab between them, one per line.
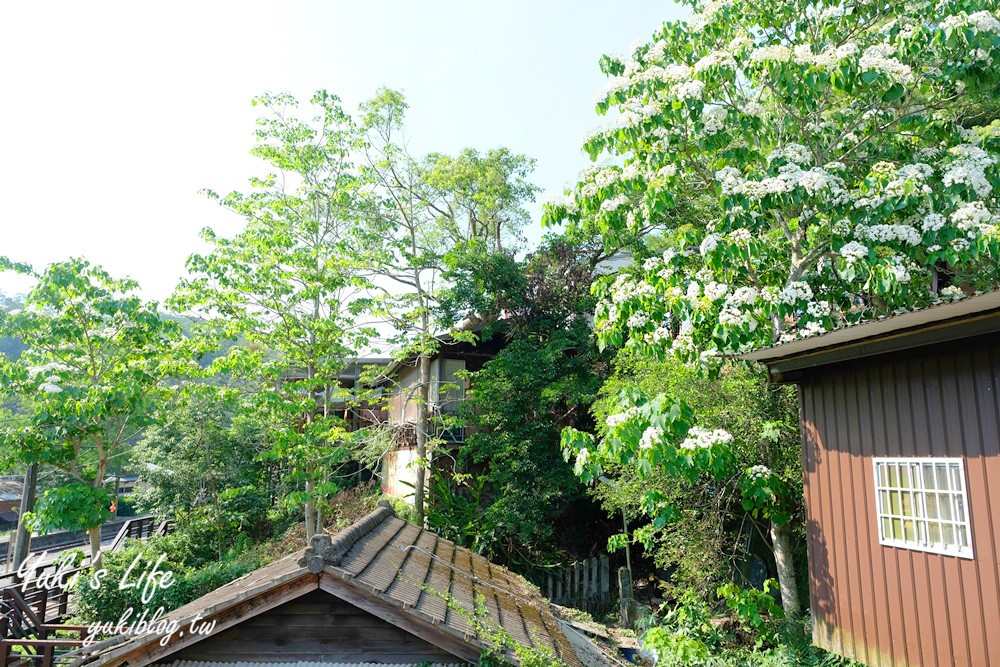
850	334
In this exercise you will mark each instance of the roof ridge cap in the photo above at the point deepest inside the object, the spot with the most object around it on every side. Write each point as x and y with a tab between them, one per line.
325	550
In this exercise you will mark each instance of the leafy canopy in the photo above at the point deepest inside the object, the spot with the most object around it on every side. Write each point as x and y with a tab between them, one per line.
91	376
823	138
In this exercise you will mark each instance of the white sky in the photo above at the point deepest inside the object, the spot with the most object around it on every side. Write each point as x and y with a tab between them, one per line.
115	114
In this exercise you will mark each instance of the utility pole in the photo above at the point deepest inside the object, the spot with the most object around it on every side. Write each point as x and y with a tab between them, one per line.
23	537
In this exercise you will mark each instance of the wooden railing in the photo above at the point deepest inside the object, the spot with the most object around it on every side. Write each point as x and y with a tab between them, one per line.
36	641
30	612
583	585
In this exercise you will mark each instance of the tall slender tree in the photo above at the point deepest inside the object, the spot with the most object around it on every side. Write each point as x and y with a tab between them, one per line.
419	209
284	287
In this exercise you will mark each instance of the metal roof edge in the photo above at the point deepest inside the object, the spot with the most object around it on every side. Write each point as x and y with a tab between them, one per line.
893	332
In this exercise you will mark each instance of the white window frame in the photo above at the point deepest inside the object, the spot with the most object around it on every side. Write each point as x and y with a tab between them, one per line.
918	498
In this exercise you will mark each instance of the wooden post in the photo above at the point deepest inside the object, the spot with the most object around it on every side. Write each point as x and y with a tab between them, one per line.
22	535
625	596
605	582
594	586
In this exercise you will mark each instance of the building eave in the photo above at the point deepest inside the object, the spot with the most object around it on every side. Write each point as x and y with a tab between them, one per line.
941	323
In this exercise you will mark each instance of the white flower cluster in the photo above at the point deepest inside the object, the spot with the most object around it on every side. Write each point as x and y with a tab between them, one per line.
613	204
882	58
715	58
852	251
51	367
706	14
625	289
818	309
758	472
932	222
791	152
581	460
952	292
638	319
715	291
982	21
50	388
812	329
772	52
742	296
829	58
689	90
650	437
816	181
619	418
713	119
741	236
973	219
795	292
970	169
895	233
709	244
700	438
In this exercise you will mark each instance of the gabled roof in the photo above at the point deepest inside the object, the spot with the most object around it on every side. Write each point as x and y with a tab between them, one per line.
403	574
939	323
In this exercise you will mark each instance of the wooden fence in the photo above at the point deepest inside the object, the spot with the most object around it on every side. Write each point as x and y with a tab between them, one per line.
583	585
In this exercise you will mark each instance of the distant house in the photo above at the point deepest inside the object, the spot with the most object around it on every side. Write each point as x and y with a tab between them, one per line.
447	393
124	484
10	501
900	423
382	591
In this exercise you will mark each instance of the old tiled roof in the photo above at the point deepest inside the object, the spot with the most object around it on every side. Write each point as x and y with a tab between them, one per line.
422	573
430	579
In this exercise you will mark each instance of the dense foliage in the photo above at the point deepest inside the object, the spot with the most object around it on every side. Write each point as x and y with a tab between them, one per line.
715	530
514	487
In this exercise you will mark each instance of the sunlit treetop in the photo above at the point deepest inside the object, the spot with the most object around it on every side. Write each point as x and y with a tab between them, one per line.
823	144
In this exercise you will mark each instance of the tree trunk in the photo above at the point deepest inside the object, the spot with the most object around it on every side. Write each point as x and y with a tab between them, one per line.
95	546
781	539
23	536
310	512
423	429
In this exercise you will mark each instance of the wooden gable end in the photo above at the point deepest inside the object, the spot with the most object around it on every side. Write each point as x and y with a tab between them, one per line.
318	626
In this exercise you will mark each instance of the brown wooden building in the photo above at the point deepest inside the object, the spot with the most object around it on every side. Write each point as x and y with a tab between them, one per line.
381	592
900	424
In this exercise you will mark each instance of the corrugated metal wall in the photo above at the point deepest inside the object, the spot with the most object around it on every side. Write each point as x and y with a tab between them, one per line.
890	606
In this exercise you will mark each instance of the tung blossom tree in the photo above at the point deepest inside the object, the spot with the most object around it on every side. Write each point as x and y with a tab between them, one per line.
823	143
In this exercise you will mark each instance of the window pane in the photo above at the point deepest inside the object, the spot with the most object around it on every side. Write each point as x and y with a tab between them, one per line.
948	533
886	506
934	532
959	508
886	528
910	528
895	503
932	506
929	477
942	476
883	474
907	503
893	475
945	507
897	529
905	480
